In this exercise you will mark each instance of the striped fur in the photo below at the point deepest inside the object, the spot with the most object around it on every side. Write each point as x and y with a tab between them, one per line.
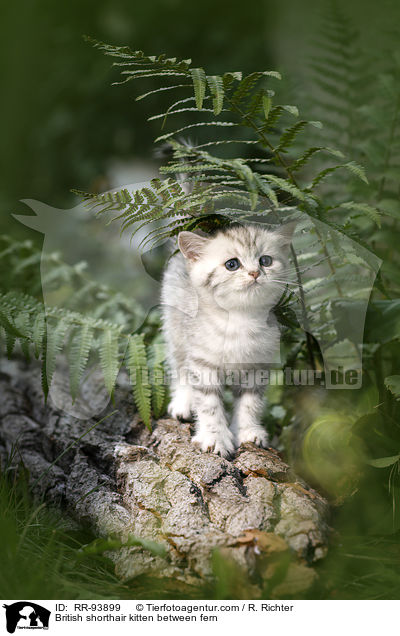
216	321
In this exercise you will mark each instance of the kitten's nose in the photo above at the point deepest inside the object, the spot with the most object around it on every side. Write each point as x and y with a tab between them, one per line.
255	274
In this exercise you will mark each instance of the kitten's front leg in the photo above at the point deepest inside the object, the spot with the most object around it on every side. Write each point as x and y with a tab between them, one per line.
212	432
246	425
180	406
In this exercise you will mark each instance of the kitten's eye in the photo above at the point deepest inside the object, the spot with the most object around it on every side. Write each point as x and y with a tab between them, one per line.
232	264
265	260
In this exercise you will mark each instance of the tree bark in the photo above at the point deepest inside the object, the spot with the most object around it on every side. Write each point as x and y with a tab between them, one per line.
126	481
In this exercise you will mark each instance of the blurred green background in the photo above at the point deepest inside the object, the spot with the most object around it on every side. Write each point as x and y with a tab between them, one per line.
64	127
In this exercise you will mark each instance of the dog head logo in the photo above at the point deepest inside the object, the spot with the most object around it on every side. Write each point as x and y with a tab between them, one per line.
26	615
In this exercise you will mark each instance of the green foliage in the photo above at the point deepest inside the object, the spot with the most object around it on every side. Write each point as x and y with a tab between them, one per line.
222	186
137	364
43	553
48	331
99	546
109	350
204	187
39	550
357	95
392	383
251	153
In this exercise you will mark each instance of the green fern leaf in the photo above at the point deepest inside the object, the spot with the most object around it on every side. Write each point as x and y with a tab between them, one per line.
289	108
199	85
9	327
22	323
371	212
138	369
357	170
303	160
38	332
156	359
109	358
159	90
266	189
248	177
276	113
54	344
352	166
247	84
291	133
132	76
177	112
267	103
216	85
209	123
10	343
43	371
79	355
229	77
138	57
286	186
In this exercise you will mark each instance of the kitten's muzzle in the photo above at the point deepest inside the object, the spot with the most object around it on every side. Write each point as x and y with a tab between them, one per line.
255	274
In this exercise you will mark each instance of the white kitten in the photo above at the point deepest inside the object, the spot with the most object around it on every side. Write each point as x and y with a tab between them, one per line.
217	297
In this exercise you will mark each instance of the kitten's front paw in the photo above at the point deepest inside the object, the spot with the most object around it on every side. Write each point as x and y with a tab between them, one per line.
179	408
220	443
255	434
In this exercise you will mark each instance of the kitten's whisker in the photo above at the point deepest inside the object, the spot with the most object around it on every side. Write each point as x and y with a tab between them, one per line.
285	282
283	285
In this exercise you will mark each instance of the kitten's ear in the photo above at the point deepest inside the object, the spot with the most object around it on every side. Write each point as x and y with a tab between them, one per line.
286	232
191	245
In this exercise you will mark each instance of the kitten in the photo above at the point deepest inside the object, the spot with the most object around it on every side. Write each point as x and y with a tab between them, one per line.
217	297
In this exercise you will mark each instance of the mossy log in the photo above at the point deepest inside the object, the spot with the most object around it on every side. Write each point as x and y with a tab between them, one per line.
125	481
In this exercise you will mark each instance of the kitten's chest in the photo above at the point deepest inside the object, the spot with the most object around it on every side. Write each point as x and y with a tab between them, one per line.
244	339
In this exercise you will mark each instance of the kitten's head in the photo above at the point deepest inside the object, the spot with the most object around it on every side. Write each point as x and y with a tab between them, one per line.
241	265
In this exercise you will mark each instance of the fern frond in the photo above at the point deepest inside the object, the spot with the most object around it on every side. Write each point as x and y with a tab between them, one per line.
291	133
247	175
79	355
197	125
22	323
352	166
160	90
133	75
286	186
137	365
109	358
156	360
53	345
216	86
125	53
229	77
9	326
199	85
266	103
11	340
310	152
178	111
363	208
266	189
247	84
38	333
